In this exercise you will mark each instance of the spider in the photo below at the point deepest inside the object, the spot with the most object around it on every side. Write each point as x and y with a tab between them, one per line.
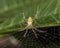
30	26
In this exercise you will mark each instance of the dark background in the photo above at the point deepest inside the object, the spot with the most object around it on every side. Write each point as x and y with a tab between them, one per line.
49	39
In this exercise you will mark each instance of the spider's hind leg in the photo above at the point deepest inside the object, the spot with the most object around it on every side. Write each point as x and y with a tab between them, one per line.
35	33
39	30
26	32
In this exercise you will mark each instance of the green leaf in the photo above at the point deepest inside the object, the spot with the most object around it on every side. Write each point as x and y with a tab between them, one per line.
45	13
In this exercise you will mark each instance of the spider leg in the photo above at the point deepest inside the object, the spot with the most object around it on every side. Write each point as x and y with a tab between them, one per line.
38	30
37	13
24	28
26	32
24	16
35	33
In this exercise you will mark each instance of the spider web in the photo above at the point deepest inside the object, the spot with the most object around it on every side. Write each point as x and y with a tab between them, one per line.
49	39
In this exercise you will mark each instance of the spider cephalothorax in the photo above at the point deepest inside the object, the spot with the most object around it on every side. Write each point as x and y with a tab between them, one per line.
30	26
